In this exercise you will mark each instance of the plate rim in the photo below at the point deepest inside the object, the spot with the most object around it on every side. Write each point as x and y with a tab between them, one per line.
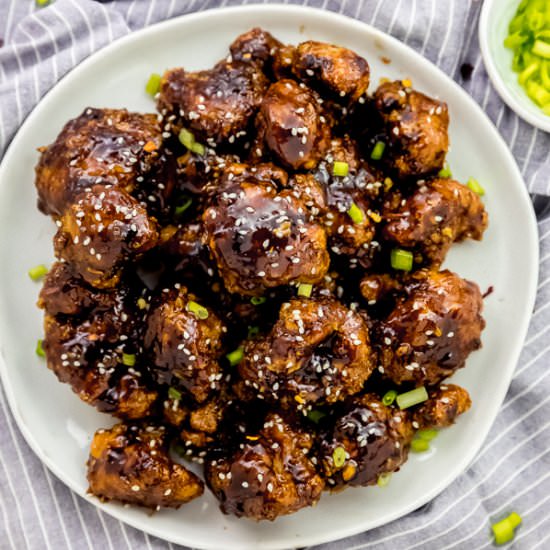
531	291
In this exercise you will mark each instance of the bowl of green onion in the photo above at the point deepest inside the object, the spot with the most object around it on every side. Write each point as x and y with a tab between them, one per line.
514	36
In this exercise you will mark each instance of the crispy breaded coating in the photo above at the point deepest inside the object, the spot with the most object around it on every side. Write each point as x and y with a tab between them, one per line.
445	404
129	463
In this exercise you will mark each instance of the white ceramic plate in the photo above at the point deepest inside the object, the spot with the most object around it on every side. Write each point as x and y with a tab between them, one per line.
493	29
59	427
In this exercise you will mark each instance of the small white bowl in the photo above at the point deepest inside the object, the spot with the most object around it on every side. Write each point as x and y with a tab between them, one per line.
493	29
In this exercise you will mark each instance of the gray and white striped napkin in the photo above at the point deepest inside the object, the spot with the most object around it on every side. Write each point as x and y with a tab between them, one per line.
512	471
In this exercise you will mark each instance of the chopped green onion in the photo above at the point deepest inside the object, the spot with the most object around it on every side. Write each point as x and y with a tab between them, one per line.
141	303
153	84
129	359
179	210
316	416
401	259
427	435
389	397
339	457
38	272
39	349
340	168
419	445
411	398
541	48
199	311
253	331
355	213
304	289
188	140
378	150
258	300
42	3
174	394
445	172
383	479
503	530
235	357
475	186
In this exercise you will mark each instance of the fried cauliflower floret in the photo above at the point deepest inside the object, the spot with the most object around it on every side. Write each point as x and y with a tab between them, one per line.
92	341
317	352
183	341
130	463
335	72
438	213
255	46
261	239
215	104
101	146
368	439
416	128
445	403
435	325
291	126
101	232
268	475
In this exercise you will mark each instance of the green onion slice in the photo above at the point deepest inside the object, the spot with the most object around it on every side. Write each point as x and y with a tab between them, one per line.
38	272
355	213
199	311
503	531
304	289
153	84
383	479
475	186
419	445
411	398
180	209
39	349
174	394
389	397
258	300
445	172
315	415
188	140
401	259
339	457
427	434
253	331
235	357
378	150
129	359
340	168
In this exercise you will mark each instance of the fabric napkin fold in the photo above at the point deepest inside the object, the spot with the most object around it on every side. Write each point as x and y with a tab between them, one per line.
512	470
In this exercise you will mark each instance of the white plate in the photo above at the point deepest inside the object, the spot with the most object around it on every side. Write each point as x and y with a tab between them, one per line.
493	29
59	427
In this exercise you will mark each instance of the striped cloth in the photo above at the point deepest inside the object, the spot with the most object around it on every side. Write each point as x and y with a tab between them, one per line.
512	471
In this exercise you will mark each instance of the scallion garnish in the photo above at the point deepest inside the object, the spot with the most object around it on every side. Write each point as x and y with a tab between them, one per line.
253	331
401	259
419	445
304	289
504	530
355	213
235	357
153	84
129	359
383	479
378	150
315	415
174	394
389	397
199	311
141	303
258	300
188	140
186	203
427	434
340	168
339	457
445	172
38	272
475	186
39	349
411	398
